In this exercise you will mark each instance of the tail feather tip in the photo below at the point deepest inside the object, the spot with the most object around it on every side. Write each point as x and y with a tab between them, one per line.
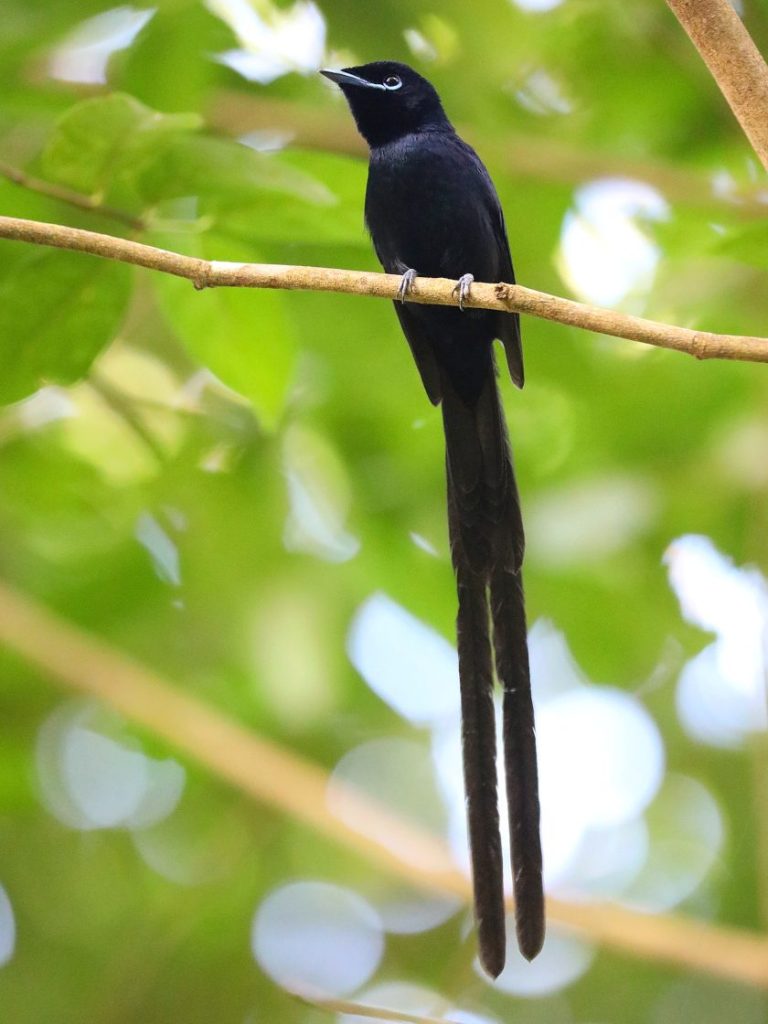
492	959
530	938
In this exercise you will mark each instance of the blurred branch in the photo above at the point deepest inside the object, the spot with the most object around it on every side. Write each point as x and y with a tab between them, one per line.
737	66
125	409
521	156
727	49
65	195
347	1006
434	291
758	749
266	772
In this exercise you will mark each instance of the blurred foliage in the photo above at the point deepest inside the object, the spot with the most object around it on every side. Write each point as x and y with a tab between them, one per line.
147	489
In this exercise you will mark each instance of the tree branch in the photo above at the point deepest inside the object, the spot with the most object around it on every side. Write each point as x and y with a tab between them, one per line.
349	1008
66	195
727	49
434	291
266	772
532	157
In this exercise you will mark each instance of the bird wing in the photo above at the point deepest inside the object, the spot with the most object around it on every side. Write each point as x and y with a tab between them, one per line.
509	323
423	352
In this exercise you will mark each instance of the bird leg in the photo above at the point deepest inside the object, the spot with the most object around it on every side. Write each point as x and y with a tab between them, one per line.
462	287
406	283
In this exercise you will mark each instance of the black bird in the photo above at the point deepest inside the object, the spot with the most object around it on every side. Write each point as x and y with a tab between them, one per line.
431	209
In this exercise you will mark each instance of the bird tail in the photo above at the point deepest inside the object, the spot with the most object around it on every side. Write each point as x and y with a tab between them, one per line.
521	771
487	543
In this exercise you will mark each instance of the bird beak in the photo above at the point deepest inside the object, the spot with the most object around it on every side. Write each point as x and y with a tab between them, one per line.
343	78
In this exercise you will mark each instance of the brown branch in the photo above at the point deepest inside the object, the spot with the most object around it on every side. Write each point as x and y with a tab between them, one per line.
533	157
434	291
263	770
124	407
350	1008
66	195
758	750
727	49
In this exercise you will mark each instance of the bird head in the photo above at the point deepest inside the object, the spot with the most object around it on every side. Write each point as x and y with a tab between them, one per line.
389	100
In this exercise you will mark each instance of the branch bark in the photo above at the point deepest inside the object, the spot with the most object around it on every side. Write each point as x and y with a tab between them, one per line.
270	774
727	49
434	291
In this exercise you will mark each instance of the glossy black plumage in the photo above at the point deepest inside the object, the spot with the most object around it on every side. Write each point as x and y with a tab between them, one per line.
431	208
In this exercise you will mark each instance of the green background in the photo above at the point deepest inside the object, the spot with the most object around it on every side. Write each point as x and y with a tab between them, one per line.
223	598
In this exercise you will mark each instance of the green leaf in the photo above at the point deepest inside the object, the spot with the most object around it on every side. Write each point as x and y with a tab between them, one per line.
100	139
58	310
243	335
747	245
296	217
225	174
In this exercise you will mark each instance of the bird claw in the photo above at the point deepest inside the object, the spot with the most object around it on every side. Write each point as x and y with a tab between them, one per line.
462	287
406	283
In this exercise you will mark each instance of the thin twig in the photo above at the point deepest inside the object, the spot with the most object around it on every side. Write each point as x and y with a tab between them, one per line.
727	49
66	195
124	407
434	291
263	770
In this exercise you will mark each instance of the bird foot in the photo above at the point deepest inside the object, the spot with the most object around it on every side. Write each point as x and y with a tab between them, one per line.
462	287
406	283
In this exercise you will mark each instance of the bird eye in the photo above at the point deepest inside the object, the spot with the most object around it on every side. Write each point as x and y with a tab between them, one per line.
392	82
